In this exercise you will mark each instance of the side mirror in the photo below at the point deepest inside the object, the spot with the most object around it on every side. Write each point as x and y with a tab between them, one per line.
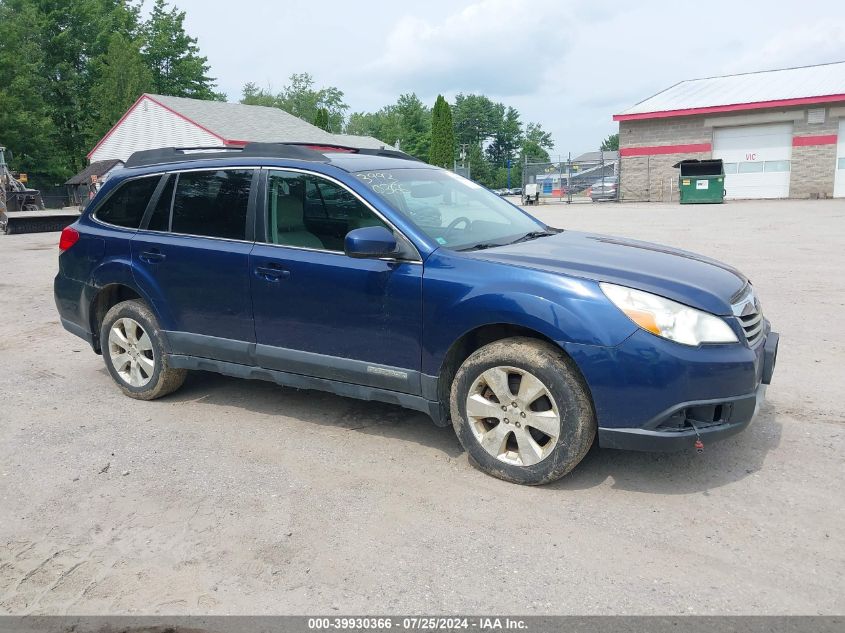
370	242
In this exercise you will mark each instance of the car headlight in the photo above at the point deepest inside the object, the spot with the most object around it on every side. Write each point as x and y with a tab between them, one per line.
667	318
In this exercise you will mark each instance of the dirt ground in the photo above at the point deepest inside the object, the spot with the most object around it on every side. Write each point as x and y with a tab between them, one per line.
238	496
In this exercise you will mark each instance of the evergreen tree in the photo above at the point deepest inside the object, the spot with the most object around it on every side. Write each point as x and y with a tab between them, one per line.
321	119
442	135
173	56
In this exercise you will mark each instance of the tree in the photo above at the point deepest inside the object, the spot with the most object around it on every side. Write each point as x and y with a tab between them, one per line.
479	168
507	137
476	119
253	95
321	119
406	122
442	151
70	68
535	143
173	56
302	100
611	143
414	120
122	77
47	53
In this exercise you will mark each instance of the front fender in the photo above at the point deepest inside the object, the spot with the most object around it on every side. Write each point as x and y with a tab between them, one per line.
461	296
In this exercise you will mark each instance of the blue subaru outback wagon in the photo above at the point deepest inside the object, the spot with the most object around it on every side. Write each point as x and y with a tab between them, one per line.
374	276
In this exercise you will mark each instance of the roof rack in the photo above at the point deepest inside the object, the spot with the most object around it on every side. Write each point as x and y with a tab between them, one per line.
307	151
163	155
382	151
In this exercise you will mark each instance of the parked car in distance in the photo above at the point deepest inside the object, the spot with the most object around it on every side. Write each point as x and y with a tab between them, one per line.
371	275
603	190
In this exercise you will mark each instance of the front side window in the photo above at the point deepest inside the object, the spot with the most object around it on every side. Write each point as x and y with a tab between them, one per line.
308	211
125	207
453	211
211	203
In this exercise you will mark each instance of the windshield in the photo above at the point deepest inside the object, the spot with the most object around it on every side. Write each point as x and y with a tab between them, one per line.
453	211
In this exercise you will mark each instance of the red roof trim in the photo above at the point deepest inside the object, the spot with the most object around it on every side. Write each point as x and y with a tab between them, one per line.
179	114
654	150
736	107
821	139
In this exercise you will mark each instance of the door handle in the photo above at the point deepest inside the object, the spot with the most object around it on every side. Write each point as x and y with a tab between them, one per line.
153	256
271	272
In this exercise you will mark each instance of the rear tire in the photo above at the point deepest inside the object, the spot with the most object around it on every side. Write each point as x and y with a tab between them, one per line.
522	411
133	350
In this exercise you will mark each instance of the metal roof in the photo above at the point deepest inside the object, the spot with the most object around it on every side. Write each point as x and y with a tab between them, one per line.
595	157
237	122
771	88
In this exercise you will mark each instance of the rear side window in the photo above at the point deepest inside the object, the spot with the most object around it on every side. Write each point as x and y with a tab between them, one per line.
212	203
125	207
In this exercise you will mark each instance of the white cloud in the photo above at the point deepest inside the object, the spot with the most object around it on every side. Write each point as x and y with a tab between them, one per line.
804	45
491	46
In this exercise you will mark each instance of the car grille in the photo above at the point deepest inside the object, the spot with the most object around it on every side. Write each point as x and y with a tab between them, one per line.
750	316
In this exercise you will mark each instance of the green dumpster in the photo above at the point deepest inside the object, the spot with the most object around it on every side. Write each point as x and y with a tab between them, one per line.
701	181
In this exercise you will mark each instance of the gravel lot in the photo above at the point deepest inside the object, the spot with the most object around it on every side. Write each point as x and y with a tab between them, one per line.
243	497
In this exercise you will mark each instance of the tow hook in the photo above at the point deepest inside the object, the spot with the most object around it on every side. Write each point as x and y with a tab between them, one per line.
699	445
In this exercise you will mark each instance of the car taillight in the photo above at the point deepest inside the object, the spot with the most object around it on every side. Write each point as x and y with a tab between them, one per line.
69	237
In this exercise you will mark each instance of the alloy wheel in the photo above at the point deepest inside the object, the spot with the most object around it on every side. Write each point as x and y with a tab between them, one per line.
513	416
131	352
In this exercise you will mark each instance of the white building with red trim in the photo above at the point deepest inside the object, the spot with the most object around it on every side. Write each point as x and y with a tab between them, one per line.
156	121
780	133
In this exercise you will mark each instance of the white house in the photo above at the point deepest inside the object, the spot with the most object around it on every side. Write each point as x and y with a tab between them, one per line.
160	121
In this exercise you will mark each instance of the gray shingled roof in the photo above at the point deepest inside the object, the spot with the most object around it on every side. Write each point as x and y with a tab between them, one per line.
94	169
262	124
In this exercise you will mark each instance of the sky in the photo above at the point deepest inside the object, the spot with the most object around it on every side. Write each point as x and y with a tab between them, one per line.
567	65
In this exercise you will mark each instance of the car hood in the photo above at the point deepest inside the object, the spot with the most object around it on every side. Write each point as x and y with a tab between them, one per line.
685	277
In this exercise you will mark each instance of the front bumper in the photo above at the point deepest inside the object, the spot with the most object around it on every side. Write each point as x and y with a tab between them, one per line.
708	420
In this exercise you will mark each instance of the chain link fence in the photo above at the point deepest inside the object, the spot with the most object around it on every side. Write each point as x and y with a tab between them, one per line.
590	177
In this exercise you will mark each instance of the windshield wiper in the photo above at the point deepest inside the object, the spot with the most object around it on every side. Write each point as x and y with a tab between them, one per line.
481	247
533	235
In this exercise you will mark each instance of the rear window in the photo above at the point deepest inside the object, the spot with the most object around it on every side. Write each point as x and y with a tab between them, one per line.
212	203
125	207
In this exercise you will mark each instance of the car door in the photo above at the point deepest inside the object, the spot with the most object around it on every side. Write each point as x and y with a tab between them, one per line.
192	257
321	313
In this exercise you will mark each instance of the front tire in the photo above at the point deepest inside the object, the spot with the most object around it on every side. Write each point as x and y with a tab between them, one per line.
131	343
522	411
